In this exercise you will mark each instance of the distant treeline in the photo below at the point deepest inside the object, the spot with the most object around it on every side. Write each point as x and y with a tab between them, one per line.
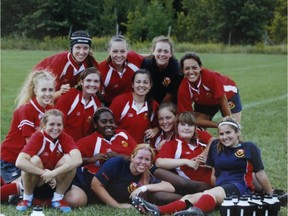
230	22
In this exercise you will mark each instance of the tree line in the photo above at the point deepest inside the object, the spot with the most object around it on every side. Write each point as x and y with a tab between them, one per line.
195	21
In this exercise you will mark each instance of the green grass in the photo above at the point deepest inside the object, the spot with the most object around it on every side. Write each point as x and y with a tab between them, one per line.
262	80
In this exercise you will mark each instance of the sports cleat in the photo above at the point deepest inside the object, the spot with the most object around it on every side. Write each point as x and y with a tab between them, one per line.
283	199
61	205
23	205
145	207
192	211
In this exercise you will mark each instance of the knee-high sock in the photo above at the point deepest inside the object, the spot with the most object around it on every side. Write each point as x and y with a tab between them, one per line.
206	203
7	190
172	207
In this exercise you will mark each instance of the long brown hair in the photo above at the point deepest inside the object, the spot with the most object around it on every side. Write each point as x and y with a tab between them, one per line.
145	178
190	119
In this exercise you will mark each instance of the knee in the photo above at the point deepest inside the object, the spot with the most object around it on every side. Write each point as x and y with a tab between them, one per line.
76	198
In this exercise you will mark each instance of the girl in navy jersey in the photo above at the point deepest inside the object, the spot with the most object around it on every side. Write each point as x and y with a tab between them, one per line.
49	158
206	92
35	97
67	65
135	111
164	69
226	154
118	69
80	103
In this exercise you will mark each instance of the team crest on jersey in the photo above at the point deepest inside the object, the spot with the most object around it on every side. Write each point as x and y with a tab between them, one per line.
231	105
240	153
89	119
166	81
131	187
145	116
58	153
209	95
124	144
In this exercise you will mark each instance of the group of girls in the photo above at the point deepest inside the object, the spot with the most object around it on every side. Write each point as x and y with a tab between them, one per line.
114	133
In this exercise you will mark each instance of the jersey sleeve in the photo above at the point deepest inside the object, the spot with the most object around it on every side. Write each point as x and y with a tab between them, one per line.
167	150
204	136
185	102
34	144
256	158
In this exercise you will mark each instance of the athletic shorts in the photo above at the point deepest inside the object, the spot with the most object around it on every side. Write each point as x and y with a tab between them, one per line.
230	189
9	172
46	191
234	104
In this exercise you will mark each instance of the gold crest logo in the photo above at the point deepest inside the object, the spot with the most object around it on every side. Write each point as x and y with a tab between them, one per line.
240	153
132	186
231	105
208	95
124	144
145	116
166	81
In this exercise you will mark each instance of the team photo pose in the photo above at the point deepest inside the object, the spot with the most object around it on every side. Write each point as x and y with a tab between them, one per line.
80	103
119	180
227	154
49	160
35	97
206	92
67	65
118	69
164	69
136	111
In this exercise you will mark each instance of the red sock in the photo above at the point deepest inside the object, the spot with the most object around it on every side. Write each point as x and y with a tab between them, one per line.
172	207
7	190
206	203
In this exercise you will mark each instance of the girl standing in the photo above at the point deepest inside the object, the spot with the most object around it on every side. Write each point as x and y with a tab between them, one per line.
80	103
117	71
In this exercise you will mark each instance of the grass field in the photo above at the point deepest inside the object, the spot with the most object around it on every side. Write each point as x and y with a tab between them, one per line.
262	80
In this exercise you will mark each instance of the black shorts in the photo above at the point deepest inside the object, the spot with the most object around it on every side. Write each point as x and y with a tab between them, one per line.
230	189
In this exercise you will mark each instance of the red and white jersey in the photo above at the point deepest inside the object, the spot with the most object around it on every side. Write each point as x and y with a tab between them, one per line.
178	149
64	67
78	117
116	83
25	121
128	117
50	151
210	87
121	143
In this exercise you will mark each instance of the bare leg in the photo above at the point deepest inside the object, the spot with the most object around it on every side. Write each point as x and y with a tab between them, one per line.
182	185
162	198
75	197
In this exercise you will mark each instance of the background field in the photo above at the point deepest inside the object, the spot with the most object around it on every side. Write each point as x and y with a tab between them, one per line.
262	80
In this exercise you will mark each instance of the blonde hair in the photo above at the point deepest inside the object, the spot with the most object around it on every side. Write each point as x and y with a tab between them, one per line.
145	178
163	39
27	90
51	112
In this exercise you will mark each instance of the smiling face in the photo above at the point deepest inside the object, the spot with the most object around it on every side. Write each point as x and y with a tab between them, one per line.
186	131
191	70
90	84
141	161
166	120
141	84
228	136
44	90
118	53
105	125
80	52
54	126
162	54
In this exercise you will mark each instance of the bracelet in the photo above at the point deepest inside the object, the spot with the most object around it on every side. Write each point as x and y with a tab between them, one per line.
143	188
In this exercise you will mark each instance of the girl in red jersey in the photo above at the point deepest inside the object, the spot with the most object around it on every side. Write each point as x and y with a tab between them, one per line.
106	142
35	97
66	66
136	111
118	69
80	103
49	158
206	92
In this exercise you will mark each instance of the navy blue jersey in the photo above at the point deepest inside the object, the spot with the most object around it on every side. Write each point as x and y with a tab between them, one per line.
164	81
235	165
118	180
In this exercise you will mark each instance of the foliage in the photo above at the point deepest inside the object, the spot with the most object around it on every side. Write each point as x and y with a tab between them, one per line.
197	21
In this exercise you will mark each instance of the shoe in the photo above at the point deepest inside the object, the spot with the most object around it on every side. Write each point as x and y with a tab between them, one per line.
61	205
192	211
283	199
23	205
14	199
145	207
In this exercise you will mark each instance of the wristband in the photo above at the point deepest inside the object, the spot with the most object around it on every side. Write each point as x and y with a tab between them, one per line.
143	188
